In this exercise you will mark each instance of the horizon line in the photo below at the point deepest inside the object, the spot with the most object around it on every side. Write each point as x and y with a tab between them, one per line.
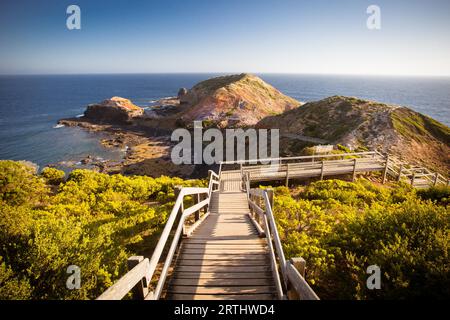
228	72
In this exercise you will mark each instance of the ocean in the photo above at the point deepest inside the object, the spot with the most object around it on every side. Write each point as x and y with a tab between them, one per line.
31	105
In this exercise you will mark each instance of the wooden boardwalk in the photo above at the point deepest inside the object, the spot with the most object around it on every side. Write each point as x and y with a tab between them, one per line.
224	258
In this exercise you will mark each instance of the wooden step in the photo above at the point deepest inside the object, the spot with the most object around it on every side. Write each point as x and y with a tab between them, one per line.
223	246
225	238
219	251
222	269
227	242
222	297
231	275
216	263
226	257
214	282
221	290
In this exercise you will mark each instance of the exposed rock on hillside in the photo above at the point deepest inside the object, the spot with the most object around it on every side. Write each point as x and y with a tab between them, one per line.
359	123
114	110
236	100
182	93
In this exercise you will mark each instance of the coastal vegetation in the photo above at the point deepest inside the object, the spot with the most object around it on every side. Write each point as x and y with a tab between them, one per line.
96	221
341	228
419	127
92	220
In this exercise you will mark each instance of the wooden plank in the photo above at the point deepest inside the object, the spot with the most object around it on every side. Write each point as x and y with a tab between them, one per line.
306	158
221	290
299	283
224	242
194	227
140	291
258	228
242	263
230	275
195	207
223	246
127	282
222	297
222	269
212	251
214	282
230	237
226	257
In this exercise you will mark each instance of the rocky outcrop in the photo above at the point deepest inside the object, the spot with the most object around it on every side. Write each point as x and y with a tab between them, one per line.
237	100
114	110
357	123
181	94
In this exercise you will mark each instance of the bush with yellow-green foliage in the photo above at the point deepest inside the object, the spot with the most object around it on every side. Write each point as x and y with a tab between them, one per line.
341	228
93	220
53	176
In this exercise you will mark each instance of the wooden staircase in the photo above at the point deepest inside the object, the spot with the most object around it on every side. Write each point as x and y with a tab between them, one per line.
224	258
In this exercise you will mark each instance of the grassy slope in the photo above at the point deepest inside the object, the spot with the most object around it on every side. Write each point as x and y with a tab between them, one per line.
416	126
328	119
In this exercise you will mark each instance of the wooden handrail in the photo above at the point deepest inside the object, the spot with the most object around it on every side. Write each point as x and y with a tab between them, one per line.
121	288
146	268
291	277
279	168
299	283
276	236
274	160
366	162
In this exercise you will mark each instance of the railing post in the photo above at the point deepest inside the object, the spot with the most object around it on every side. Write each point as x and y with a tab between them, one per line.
300	265
197	213
270	195
385	169
354	169
436	178
140	290
400	173
177	191
287	174
322	171
211	185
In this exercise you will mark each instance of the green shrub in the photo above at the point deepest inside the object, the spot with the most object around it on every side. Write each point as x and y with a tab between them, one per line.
11	287
93	220
341	228
439	194
53	176
343	148
19	184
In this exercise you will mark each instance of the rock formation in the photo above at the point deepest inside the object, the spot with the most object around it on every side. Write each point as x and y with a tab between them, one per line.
114	110
181	94
237	100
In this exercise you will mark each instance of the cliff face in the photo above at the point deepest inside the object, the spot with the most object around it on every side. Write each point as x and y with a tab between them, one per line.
359	123
114	110
236	100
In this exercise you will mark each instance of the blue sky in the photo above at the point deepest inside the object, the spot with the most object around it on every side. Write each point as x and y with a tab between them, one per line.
260	36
